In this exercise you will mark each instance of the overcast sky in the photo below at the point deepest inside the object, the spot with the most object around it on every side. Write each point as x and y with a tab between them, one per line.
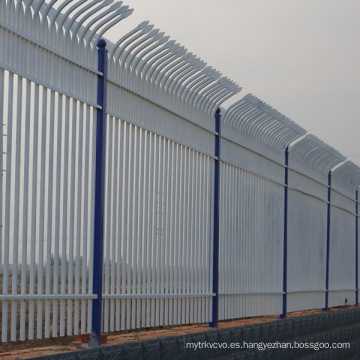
300	56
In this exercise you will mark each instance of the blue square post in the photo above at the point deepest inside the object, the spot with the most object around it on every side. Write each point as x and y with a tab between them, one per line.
325	308
215	284
284	297
95	336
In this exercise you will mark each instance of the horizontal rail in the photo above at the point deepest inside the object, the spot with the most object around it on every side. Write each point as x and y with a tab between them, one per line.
307	194
48	297
306	291
343	209
317	291
235	293
148	128
345	196
123	86
253	172
48	86
155	296
236	142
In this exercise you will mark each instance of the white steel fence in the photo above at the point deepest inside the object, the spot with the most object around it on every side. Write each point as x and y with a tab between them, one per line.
191	232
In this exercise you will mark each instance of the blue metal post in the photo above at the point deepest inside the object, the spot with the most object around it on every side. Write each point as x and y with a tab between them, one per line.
327	246
95	338
215	285
357	249
283	315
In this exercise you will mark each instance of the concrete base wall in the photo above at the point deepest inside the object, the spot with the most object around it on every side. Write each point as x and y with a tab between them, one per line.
328	327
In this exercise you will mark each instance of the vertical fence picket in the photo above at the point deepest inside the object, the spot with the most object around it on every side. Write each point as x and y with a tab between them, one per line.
134	231
86	205
2	169
71	215
191	235
8	188
144	264
25	210
187	239
64	230
160	233
182	207
114	239
209	206
171	235
107	219
119	223
124	290
91	215
154	230
49	213
129	235
58	191
202	234
16	205
44	124
139	225
150	247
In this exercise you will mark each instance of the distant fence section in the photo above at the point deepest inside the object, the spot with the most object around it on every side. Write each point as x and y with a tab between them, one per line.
164	218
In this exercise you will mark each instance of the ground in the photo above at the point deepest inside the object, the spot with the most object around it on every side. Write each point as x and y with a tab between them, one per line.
35	348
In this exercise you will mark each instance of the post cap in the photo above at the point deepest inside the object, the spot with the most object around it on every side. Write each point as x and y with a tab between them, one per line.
101	43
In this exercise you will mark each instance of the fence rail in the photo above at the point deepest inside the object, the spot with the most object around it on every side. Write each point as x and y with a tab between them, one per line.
194	215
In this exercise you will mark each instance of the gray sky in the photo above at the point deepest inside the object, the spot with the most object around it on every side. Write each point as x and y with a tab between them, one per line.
300	56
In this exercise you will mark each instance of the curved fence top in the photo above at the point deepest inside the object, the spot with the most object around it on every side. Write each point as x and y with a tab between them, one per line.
145	59
70	28
254	118
347	176
148	53
314	153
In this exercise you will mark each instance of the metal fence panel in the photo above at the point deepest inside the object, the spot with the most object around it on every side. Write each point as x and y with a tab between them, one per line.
307	219
342	258
251	238
45	247
342	284
158	236
310	161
